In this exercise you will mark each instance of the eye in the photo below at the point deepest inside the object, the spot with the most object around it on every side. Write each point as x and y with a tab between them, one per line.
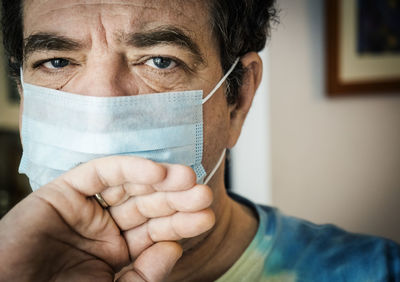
161	63
56	63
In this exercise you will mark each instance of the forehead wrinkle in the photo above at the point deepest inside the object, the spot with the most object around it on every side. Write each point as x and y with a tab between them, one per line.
167	12
169	9
102	32
49	9
86	3
136	19
145	5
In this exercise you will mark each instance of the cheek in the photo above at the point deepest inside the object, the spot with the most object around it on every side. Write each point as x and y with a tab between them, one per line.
216	129
158	81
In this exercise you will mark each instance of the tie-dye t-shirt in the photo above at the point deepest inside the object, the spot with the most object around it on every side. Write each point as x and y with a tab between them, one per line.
289	249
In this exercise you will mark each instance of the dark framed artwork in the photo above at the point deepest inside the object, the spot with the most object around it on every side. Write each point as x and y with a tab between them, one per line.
362	46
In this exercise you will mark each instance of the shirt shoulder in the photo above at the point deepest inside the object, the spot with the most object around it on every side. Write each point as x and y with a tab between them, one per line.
293	249
329	253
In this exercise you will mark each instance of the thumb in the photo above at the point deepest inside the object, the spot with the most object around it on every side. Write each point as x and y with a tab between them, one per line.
154	263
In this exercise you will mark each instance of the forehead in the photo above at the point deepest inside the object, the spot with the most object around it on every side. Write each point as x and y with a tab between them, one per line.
78	16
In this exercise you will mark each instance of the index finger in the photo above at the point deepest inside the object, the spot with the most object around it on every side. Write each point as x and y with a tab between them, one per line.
95	176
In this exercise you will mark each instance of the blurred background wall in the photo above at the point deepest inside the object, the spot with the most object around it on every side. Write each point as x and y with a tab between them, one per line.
331	160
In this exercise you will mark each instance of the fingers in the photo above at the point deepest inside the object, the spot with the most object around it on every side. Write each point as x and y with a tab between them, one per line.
154	264
197	198
136	210
153	202
172	228
177	178
184	225
115	196
120	177
97	175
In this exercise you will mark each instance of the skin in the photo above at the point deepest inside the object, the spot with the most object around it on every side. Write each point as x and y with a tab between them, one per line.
59	233
154	214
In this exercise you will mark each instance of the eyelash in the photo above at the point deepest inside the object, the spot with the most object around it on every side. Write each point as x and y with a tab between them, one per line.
143	61
179	64
40	63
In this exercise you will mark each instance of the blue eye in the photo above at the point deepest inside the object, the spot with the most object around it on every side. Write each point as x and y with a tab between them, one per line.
57	63
161	63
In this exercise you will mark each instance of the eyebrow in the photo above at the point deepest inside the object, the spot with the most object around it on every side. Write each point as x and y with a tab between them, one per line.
49	42
163	35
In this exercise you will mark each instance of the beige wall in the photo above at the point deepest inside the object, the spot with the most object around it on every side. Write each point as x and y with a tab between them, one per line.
333	160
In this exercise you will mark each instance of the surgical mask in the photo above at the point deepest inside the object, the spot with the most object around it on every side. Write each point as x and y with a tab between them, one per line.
61	130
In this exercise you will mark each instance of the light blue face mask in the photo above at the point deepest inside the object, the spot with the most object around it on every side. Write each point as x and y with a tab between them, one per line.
61	130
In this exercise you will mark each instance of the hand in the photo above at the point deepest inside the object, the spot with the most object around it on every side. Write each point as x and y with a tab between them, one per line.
61	233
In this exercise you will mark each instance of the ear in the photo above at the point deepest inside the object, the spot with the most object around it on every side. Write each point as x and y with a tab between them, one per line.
252	66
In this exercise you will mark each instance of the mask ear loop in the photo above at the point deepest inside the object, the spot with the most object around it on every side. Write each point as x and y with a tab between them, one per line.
221	158
221	81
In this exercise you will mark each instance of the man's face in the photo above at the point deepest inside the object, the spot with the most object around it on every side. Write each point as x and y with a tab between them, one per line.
127	47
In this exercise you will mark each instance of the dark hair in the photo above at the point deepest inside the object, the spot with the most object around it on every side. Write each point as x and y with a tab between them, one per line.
240	26
11	22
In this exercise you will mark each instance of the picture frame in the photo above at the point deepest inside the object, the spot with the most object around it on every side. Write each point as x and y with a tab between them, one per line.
353	65
9	98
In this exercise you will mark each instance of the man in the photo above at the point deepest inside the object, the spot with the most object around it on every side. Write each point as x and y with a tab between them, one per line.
152	220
